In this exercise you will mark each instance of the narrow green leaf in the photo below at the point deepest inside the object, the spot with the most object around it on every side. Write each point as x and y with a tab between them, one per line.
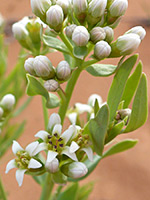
70	193
132	85
140	107
120	147
98	129
55	44
80	52
101	69
118	85
96	107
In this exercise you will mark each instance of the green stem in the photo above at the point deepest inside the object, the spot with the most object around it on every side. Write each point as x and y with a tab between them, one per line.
47	188
2	192
69	90
45	113
66	41
89	62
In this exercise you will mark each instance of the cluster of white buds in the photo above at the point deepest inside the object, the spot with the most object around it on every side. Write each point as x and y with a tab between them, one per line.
123	114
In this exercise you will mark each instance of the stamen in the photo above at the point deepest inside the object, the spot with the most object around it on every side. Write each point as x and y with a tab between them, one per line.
49	136
61	145
50	142
56	135
60	139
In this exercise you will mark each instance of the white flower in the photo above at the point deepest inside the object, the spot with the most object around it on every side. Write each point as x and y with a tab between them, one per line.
24	160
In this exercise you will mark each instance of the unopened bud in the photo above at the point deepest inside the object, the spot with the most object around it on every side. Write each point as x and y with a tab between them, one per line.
52	166
97	34
43	67
124	112
1	112
75	170
80	36
69	30
29	66
63	71
80	8
97	8
40	7
139	30
109	34
128	43
8	102
55	17
19	31
64	5
102	50
51	85
118	8
92	99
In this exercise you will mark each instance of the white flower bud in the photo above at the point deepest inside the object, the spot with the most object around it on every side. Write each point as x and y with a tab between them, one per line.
1	112
118	8
109	34
19	31
39	7
97	8
128	43
63	71
55	17
29	66
51	85
43	67
69	30
8	102
139	30
124	112
80	36
97	34
77	170
92	99
52	166
64	5
80	8
102	50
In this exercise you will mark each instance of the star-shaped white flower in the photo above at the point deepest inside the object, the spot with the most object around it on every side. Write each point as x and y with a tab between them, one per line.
24	160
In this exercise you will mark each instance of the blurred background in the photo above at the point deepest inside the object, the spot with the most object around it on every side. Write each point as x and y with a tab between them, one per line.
120	177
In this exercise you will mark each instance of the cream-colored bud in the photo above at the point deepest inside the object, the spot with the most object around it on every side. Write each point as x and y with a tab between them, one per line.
118	8
8	102
51	85
97	8
128	43
29	66
80	36
97	34
102	50
109	34
63	71
55	17
64	5
19	31
52	166
43	67
139	30
80	9
77	170
69	30
39	7
124	112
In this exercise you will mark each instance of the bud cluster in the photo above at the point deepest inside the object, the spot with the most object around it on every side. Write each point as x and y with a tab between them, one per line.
41	67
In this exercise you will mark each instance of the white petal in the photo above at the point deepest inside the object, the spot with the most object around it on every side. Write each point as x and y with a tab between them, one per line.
16	147
70	155
10	165
41	147
54	119
75	130
53	166
51	156
20	175
57	129
81	108
73	147
89	153
92	99
72	117
31	147
69	133
92	116
34	164
42	134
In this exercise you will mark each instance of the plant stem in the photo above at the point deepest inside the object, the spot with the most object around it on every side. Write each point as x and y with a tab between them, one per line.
89	62
66	41
47	188
45	113
2	192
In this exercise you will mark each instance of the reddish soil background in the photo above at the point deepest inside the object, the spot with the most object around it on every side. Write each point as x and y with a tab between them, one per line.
120	177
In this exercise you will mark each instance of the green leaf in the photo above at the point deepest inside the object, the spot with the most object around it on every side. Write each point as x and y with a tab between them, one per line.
59	178
120	147
70	193
98	129
96	107
101	69
140	107
55	44
118	85
85	191
80	52
133	81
